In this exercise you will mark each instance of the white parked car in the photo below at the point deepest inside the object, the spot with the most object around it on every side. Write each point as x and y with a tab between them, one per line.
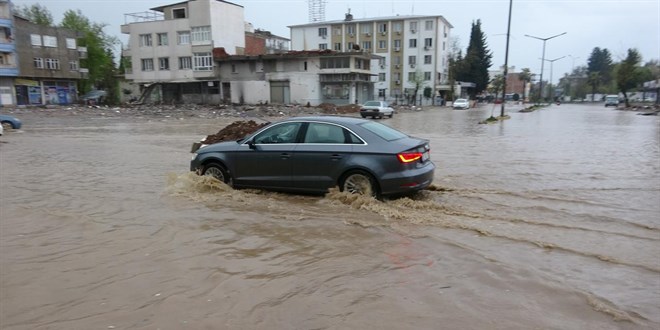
463	104
376	109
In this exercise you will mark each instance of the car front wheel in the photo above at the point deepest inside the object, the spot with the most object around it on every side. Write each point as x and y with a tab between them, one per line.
217	171
361	183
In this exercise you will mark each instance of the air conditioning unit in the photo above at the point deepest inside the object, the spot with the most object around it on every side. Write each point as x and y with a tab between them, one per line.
398	82
427	47
412	65
382	66
324	36
413	31
383	33
398	66
396	49
398	32
368	34
351	35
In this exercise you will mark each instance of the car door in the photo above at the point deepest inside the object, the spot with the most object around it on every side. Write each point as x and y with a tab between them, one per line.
265	162
321	157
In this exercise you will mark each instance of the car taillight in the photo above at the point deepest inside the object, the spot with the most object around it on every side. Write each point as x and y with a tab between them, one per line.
409	157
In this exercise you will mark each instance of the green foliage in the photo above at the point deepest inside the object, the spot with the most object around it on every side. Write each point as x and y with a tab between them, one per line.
474	67
36	13
525	76
629	74
496	84
599	68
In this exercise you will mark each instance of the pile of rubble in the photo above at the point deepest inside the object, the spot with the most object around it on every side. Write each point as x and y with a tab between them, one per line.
234	131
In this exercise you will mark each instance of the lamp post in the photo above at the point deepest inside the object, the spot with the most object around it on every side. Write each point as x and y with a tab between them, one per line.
551	62
573	64
543	58
506	60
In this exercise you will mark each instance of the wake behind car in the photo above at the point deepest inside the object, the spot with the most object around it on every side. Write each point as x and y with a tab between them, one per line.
376	109
314	154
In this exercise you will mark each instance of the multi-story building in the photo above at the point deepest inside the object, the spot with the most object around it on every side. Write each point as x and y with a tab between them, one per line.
49	64
304	77
259	42
8	60
412	49
173	45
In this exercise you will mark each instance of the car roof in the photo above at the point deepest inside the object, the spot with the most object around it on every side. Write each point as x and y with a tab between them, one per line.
329	119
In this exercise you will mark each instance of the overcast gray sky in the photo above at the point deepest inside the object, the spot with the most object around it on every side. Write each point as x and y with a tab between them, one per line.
613	24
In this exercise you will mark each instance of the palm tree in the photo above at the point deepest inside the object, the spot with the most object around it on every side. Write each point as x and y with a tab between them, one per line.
525	76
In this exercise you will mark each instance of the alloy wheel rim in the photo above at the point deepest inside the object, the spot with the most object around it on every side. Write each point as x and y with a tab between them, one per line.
358	184
216	173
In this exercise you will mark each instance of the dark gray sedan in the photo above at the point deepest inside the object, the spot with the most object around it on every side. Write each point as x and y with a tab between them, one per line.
313	154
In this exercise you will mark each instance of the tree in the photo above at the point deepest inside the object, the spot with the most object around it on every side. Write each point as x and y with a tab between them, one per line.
496	84
526	77
599	66
477	60
454	65
36	13
100	60
418	82
628	73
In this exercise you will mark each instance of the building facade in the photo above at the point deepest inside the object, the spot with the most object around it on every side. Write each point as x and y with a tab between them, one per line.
411	49
173	45
304	77
8	56
48	62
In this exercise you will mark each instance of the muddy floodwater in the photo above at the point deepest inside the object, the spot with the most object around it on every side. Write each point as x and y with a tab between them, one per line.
548	220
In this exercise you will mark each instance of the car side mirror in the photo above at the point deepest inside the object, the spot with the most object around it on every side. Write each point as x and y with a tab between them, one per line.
250	144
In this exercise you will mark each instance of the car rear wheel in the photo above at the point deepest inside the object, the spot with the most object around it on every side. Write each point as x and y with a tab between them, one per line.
7	125
359	182
217	171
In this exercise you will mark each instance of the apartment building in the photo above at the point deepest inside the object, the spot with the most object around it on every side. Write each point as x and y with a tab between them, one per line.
301	77
411	48
48	63
8	57
172	45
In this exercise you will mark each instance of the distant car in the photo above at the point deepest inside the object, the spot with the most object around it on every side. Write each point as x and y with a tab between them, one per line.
376	109
612	100
461	104
1	130
314	154
9	122
94	97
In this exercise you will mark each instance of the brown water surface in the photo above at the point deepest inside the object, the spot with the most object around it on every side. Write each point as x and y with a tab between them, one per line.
548	220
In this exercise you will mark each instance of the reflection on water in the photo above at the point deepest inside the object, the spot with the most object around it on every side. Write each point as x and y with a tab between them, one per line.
551	213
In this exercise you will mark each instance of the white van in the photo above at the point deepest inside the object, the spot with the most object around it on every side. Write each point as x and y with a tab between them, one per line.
611	100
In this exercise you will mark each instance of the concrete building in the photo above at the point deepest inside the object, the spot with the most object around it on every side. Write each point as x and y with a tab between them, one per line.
410	48
259	42
49	64
8	56
172	47
301	77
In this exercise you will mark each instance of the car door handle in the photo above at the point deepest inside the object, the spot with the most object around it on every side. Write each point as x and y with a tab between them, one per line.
285	155
336	157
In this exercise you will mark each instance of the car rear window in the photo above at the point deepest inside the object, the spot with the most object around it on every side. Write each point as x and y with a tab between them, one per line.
372	103
384	131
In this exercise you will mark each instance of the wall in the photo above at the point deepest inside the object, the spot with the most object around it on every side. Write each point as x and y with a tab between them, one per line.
228	29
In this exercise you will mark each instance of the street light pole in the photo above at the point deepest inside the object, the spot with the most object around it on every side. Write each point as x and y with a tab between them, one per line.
543	58
573	64
551	63
506	60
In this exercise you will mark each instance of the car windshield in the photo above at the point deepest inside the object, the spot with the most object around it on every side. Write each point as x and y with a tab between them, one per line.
385	132
372	103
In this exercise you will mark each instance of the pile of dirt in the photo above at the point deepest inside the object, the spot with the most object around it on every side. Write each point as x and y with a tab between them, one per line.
234	131
349	108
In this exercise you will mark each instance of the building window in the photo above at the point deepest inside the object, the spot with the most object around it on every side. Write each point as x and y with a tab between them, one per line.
412	60
382	62
337	30
349	46
335	63
382	44
183	37
38	63
411	76
338	46
50	41
365	28
202	62
428	59
52	64
381	92
35	39
233	68
163	63
381	76
428	25
147	64
71	43
397	43
73	65
350	29
397	60
397	27
396	76
323	46
185	63
427	76
412	43
145	40
428	42
200	34
443	45
382	28
178	13
323	32
366	45
305	66
413	27
162	39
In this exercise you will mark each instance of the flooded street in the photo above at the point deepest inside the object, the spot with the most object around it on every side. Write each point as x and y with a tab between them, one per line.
548	220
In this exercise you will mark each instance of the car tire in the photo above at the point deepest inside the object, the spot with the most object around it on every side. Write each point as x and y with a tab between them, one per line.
364	116
7	125
217	171
391	114
359	182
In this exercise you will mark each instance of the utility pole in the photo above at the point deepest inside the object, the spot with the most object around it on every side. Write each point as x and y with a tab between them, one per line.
552	62
506	59
543	59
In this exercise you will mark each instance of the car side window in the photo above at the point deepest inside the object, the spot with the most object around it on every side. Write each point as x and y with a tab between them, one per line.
326	133
282	133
